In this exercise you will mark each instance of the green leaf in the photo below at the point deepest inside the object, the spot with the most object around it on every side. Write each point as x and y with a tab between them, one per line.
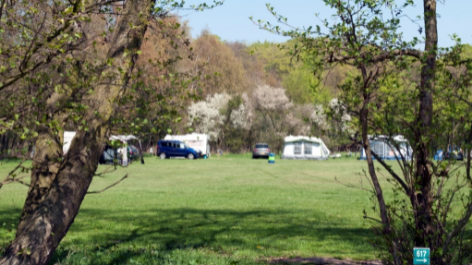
68	10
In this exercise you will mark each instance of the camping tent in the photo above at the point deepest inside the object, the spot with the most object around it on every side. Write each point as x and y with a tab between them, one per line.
108	154
303	147
123	152
197	141
382	146
68	136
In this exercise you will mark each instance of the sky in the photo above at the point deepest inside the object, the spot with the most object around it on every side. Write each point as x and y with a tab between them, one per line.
231	20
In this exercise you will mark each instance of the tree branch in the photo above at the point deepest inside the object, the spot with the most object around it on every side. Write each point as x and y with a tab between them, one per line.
373	219
460	225
379	58
394	175
112	185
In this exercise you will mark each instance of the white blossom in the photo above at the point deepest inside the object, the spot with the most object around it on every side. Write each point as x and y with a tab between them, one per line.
242	116
319	117
206	117
270	98
339	110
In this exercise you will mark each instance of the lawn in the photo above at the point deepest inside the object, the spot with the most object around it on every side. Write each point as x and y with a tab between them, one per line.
223	210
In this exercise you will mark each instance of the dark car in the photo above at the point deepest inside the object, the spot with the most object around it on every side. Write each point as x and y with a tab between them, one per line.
133	153
261	150
454	153
108	156
176	148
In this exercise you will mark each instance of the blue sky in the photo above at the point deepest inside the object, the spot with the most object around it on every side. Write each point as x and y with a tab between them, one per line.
231	20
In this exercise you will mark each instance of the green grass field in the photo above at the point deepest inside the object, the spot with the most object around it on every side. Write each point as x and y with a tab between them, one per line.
226	210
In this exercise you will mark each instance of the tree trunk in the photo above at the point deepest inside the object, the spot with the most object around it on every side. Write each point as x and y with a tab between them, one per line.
40	232
371	168
424	196
141	152
46	163
3	146
375	182
52	211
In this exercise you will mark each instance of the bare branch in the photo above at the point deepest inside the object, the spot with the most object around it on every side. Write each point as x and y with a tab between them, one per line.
112	185
459	227
379	58
352	186
373	219
389	169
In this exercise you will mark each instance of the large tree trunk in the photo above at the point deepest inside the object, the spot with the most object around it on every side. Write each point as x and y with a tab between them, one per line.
424	197
46	163
40	232
52	210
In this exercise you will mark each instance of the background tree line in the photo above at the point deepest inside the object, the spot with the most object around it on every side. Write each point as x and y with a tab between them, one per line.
231	72
235	69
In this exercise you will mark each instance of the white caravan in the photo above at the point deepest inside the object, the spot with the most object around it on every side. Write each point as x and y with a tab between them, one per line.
304	147
197	141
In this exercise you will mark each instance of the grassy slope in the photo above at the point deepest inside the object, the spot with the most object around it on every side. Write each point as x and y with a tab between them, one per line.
224	210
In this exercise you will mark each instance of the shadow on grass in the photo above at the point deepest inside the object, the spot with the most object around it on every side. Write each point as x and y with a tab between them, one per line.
124	236
221	232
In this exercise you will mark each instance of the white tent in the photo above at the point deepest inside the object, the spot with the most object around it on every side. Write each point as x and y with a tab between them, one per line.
383	147
68	136
304	147
197	141
123	151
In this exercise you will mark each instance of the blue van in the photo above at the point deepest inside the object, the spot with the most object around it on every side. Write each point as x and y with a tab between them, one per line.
176	148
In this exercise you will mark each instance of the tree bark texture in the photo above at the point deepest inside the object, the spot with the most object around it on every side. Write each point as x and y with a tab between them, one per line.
46	163
386	230
372	173
57	192
424	196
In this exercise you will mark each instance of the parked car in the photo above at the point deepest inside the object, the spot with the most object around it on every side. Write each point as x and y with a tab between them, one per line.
176	148
133	153
454	153
108	156
261	150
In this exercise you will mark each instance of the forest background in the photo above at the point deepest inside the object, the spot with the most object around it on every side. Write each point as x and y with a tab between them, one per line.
241	93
